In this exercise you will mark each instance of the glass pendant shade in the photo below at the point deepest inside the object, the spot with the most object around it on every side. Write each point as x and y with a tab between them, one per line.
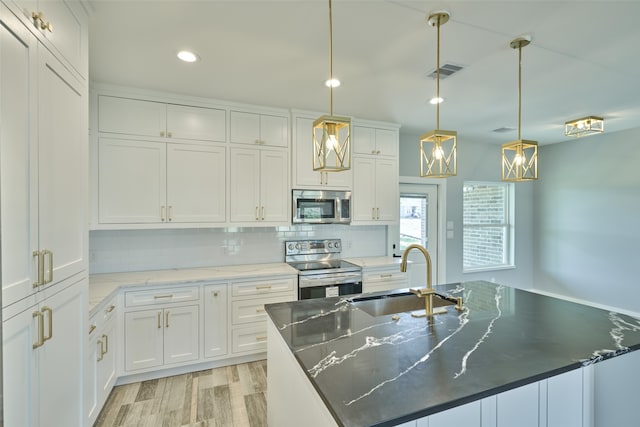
438	151
332	144
584	127
520	160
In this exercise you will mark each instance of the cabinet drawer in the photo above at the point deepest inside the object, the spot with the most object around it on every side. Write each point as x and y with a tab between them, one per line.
249	339
261	287
161	296
385	277
252	310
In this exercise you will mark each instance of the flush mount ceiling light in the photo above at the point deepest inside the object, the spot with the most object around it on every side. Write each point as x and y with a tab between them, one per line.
187	56
331	134
438	149
584	126
520	157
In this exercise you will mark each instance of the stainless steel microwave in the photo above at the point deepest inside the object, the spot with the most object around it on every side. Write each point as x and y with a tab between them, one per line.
321	207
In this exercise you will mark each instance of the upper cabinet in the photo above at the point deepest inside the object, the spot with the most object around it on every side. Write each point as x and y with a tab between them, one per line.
156	119
374	141
303	175
62	26
259	129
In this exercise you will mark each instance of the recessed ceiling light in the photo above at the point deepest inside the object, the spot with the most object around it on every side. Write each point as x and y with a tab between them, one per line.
435	100
332	83
187	56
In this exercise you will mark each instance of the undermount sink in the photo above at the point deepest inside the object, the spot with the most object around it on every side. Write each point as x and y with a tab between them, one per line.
396	303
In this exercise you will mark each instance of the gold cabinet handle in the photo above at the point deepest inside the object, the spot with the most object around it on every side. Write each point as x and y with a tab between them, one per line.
159	319
162	213
100	351
166	319
91	329
263	287
170	213
257	218
39	259
260	309
162	133
50	322
110	308
169	135
261	338
215	293
163	296
386	275
263	213
373	213
40	341
106	344
377	213
49	255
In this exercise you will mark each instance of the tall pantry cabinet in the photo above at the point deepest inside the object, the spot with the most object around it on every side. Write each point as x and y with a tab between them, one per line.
43	195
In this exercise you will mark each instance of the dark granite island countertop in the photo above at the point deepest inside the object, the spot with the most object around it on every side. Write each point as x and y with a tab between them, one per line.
376	370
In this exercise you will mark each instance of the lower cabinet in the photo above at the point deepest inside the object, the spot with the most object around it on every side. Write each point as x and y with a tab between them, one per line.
100	375
215	320
43	348
161	336
384	279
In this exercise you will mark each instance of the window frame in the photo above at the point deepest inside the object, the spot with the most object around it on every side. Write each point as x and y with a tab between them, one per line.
508	225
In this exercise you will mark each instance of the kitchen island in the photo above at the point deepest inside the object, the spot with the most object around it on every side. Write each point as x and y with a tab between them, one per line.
507	353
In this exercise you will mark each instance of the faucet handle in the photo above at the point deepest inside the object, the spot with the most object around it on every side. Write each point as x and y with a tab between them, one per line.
422	292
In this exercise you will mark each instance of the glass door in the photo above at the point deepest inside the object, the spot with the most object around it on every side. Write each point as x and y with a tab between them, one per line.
418	224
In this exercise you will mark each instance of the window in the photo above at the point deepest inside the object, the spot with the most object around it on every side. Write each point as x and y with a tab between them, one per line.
487	226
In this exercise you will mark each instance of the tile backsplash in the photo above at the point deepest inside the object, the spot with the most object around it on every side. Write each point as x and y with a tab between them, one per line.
137	250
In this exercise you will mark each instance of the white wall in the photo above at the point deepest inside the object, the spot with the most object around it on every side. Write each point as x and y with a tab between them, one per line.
587	205
136	250
478	162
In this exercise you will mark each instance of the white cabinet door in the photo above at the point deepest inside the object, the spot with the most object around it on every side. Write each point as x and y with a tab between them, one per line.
106	371
564	400
373	141
466	415
18	157
131	181
261	129
62	178
196	177
274	189
215	320
364	140
244	187
143	339
196	123
90	391
131	116
61	357
181	334
387	143
20	369
304	177
364	192
387	190
519	407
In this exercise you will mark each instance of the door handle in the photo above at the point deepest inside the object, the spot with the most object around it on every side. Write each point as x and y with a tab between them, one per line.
162	213
263	213
166	319
257	217
106	344
170	213
49	255
50	323
39	258
101	356
159	319
40	341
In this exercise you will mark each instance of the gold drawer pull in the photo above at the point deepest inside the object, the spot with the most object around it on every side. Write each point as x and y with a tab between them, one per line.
260	288
110	308
50	323
386	275
260	310
91	329
163	296
40	340
261	338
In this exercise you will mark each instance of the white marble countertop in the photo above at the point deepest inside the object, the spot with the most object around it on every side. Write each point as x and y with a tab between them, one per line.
104	286
375	262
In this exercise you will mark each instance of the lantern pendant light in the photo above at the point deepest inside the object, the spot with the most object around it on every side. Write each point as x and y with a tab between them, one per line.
520	158
331	134
438	148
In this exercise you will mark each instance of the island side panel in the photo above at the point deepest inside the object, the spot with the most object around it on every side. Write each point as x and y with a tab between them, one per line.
291	399
616	391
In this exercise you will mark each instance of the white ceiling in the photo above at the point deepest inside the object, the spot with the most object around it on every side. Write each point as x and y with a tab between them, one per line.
583	60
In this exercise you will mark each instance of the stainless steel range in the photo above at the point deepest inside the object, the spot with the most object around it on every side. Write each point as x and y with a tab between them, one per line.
321	272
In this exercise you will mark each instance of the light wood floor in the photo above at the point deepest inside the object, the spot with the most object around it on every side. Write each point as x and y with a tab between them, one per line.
233	396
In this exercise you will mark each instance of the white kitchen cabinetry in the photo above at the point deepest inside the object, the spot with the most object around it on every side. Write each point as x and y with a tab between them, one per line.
43	166
304	177
248	316
43	348
375	195
259	191
167	333
374	141
148	182
61	26
375	190
216	320
384	279
157	119
100	360
261	129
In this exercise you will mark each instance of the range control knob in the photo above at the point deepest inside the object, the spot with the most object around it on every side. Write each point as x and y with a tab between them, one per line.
290	246
298	246
330	245
337	245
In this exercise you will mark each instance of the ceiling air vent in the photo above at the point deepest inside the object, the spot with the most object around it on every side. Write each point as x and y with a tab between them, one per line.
503	130
445	71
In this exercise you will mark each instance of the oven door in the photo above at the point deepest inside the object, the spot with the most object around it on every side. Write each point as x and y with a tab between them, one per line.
329	285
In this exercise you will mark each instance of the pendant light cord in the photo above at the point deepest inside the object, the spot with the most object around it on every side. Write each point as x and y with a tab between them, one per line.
330	60
438	79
